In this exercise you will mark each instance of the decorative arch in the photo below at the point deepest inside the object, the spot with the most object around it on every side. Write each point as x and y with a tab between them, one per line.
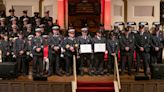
105	13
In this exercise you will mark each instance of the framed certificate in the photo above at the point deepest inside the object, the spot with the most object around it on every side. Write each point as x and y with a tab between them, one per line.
99	47
85	48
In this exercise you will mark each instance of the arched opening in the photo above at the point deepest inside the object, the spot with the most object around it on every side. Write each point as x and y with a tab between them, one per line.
82	13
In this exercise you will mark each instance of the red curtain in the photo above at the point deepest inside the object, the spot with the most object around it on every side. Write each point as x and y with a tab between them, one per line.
107	14
61	13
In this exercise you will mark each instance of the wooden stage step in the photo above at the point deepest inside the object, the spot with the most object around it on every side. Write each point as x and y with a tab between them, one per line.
95	89
95	86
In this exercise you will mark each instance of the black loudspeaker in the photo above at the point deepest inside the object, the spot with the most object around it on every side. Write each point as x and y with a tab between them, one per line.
157	71
141	77
8	70
39	78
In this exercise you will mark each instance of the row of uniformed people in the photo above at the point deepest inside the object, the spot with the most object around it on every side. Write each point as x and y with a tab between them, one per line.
27	30
24	16
24	21
47	50
16	50
143	42
148	47
23	50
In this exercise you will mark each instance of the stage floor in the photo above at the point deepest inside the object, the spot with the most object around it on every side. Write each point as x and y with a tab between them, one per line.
94	78
98	78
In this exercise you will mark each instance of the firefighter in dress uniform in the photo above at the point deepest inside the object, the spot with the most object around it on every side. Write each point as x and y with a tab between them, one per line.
127	46
55	45
85	58
20	53
37	51
157	44
143	43
29	55
99	56
112	47
70	44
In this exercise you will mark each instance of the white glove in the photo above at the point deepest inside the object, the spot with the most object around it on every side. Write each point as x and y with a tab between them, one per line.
62	50
46	60
31	55
56	48
14	56
62	55
28	53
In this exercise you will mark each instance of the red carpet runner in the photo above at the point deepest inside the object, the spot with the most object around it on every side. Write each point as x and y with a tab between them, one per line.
95	87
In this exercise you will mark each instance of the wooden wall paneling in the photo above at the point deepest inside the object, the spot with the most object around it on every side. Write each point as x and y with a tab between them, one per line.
57	88
16	87
49	86
68	88
151	87
138	87
161	87
125	87
34	86
4	87
43	88
28	87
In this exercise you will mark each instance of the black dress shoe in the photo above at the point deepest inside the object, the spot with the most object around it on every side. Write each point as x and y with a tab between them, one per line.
59	74
108	74
101	73
96	73
122	73
146	75
90	74
129	74
49	74
68	74
81	73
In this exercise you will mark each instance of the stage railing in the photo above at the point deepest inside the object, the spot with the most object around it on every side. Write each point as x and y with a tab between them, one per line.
117	83
74	82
